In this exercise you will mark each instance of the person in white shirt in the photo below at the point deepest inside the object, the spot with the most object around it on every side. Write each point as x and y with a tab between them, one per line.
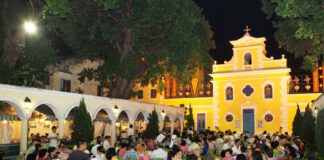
159	152
160	137
236	148
94	149
130	130
53	137
106	143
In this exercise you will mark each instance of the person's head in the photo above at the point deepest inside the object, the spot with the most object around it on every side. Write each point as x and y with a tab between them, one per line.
237	142
228	153
192	157
243	149
249	153
82	145
123	145
195	149
51	151
42	153
174	153
256	155
98	140
183	142
100	150
131	126
111	153
38	147
54	129
132	145
160	145
241	157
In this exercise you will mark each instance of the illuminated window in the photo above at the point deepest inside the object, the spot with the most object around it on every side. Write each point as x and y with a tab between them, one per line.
247	59
268	92
140	94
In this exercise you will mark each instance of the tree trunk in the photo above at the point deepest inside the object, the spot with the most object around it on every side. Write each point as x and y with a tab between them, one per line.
122	89
11	39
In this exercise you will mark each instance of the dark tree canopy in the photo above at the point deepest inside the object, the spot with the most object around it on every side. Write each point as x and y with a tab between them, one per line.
319	132
137	40
308	129
23	57
190	120
296	127
152	128
82	124
300	27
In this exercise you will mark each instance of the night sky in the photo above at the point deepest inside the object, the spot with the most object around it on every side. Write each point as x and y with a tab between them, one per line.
228	19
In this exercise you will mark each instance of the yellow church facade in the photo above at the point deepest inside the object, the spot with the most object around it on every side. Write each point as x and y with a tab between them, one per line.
251	92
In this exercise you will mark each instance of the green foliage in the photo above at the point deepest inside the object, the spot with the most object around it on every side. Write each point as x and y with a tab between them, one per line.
140	40
152	128
297	122
319	132
34	52
300	25
308	129
189	118
58	7
82	124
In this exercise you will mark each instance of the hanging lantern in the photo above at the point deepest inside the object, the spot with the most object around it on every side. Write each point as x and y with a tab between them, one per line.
297	87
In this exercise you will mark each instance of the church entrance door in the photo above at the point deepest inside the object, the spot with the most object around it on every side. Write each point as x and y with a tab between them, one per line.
201	121
248	121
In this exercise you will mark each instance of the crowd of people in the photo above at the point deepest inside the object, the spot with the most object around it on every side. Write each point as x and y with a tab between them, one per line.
189	145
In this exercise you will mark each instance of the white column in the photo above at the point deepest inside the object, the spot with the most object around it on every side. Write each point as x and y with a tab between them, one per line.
181	127
61	128
113	132
160	126
23	135
172	127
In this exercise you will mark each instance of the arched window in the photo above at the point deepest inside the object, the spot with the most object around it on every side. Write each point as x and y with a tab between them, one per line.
247	59
268	91
229	93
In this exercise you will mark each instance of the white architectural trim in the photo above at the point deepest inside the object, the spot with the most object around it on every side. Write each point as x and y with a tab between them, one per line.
229	84
264	84
70	109
145	115
170	116
283	100
266	71
108	110
215	103
240	79
19	108
260	58
129	115
53	106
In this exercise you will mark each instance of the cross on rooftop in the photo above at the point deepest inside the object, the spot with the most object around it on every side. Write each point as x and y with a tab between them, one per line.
246	30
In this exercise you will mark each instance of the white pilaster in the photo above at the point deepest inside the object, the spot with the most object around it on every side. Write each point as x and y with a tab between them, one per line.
172	128
215	104
283	100
113	132
61	128
23	135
